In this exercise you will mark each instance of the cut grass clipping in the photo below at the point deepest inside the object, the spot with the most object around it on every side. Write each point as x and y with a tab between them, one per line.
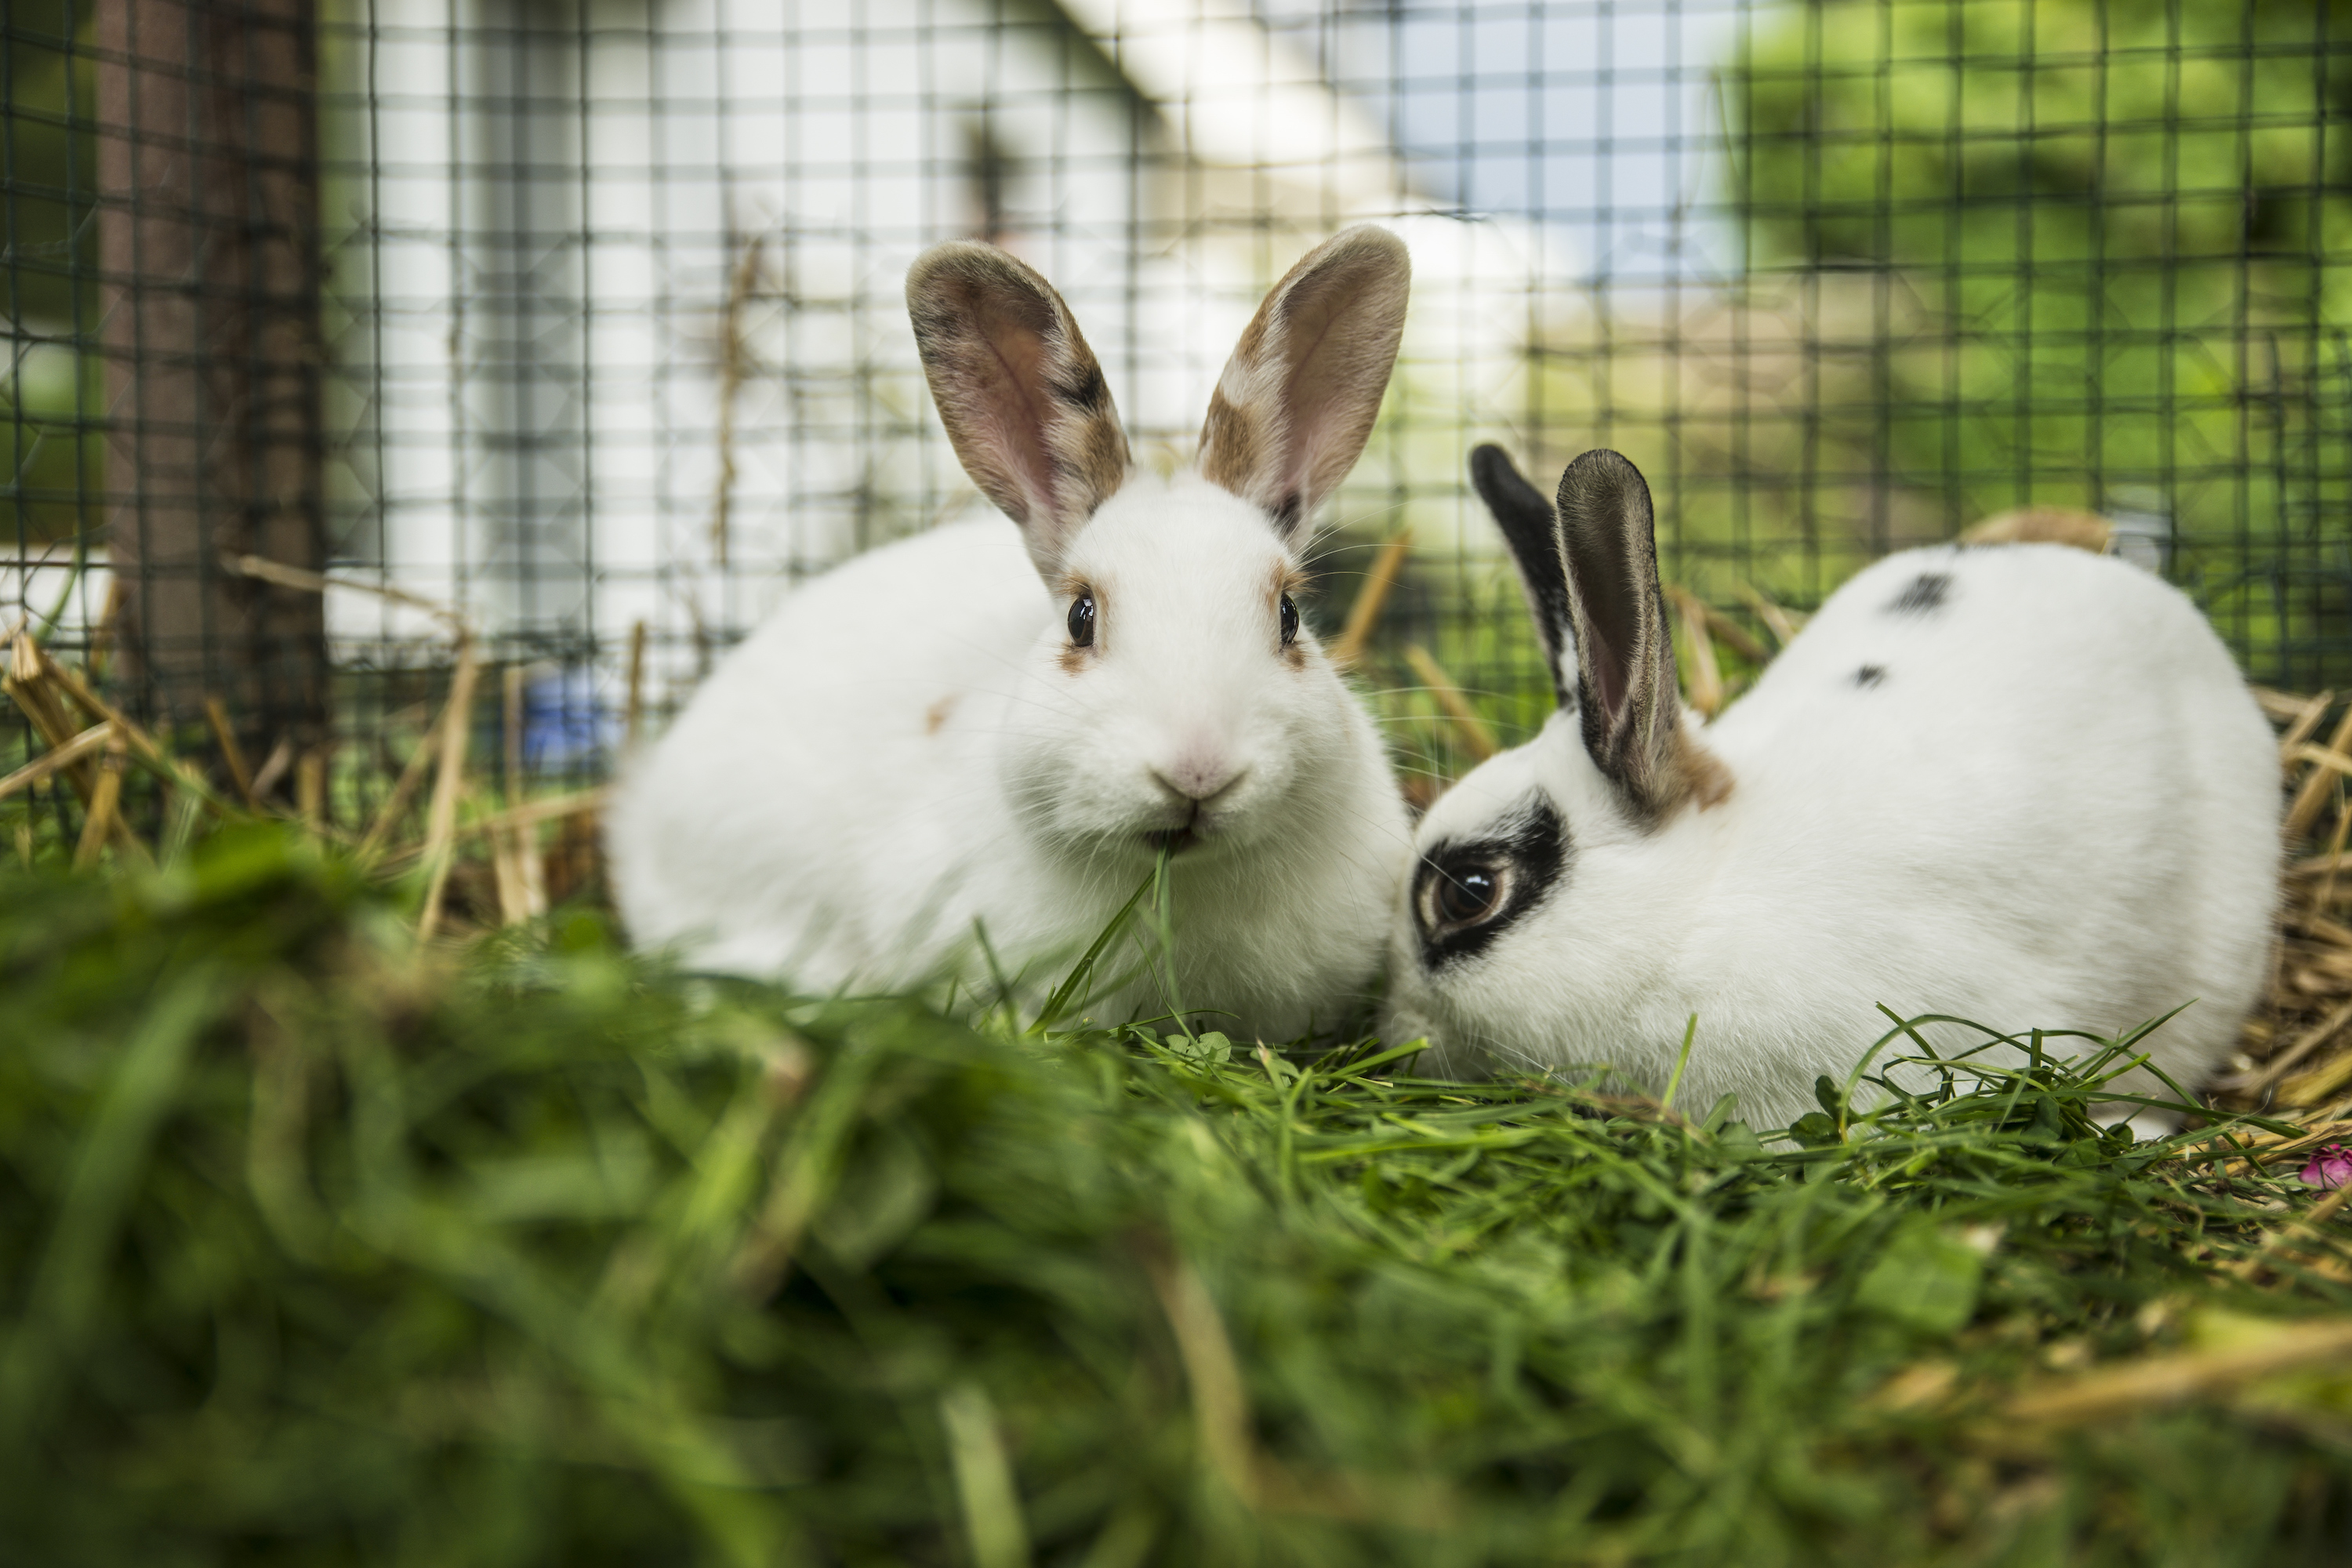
321	1245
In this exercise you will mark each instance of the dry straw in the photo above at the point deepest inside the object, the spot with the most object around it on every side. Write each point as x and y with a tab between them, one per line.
1477	739
2295	1053
87	744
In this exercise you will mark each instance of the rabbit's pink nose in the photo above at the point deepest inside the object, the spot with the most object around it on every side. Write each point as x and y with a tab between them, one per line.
1199	778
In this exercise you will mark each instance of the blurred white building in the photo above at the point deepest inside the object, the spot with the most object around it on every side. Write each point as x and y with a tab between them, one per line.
627	340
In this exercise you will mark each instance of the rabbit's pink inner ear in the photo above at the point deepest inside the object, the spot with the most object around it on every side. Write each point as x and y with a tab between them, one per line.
1295	403
1022	395
1630	710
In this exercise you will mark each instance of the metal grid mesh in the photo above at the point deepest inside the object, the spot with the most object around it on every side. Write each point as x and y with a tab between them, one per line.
584	320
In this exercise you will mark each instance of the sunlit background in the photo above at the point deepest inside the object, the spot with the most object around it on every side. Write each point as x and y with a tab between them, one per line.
589	321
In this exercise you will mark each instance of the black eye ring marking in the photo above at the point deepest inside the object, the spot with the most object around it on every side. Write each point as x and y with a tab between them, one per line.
1082	620
1289	621
1464	895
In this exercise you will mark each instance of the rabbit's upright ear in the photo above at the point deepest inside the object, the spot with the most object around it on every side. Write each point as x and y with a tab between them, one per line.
1626	696
1296	403
1532	532
1022	396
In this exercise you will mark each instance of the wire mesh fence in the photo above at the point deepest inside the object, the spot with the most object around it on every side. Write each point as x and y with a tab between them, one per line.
579	326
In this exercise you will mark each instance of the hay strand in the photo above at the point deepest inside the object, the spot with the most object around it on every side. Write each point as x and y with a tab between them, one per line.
2280	706
1706	683
27	684
511	716
529	815
2296	1050
403	790
283	576
2175	1379
311	790
224	737
534	870
2044	525
101	636
1784	624
2301	715
441	829
105	819
1364	615
55	760
1734	636
143	746
2320	782
1476	737
1221	1414
274	767
734	360
531	812
634	718
507	878
2303	1046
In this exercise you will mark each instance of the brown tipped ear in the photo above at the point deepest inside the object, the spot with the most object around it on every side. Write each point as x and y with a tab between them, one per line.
1627	700
1296	403
1024	401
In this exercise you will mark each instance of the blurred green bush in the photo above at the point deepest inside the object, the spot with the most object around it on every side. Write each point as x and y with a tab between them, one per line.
52	462
2107	249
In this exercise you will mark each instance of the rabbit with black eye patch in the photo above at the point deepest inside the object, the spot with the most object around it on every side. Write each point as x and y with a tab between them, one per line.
2017	783
988	732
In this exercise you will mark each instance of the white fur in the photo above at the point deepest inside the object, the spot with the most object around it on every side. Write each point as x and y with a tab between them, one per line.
900	754
2058	809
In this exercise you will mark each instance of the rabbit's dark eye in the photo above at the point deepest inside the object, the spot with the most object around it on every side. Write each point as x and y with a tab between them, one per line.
1082	620
1289	621
1465	894
1468	893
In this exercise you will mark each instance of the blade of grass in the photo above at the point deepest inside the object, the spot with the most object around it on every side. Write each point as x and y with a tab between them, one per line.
1058	1005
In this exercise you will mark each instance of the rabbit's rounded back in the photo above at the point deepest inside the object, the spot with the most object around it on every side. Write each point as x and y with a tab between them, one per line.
2018	784
994	730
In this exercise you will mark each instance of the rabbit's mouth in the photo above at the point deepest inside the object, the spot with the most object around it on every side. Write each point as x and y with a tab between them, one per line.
1180	837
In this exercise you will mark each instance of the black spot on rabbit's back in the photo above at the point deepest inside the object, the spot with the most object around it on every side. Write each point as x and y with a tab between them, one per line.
1869	675
1925	592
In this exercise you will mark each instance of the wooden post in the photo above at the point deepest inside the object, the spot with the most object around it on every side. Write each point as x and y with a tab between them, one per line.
209	247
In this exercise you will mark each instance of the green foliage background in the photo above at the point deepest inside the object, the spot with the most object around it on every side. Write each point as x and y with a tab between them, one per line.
50	386
2091	252
2111	237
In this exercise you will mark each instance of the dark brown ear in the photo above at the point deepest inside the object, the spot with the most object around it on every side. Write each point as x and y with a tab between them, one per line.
1024	401
1533	533
1627	700
1296	402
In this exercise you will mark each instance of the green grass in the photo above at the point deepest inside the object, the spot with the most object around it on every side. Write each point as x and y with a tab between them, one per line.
316	1247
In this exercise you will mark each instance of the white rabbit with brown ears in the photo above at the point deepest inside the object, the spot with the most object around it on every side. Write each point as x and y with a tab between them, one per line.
997	729
2019	783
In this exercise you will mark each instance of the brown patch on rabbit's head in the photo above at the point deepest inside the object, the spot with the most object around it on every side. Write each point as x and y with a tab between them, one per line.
1022	395
1296	403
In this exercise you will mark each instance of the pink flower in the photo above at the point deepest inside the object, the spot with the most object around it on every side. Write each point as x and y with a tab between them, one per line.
2331	1167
